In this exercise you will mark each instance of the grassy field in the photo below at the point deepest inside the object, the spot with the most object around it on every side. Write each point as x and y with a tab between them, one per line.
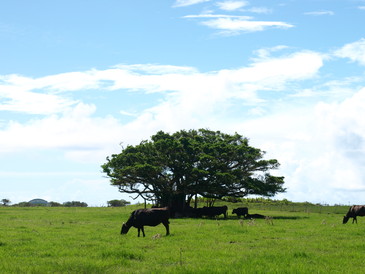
88	240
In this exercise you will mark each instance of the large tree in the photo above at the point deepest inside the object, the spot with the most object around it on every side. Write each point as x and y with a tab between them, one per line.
171	168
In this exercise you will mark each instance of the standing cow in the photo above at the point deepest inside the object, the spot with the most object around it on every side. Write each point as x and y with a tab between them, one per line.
240	211
354	211
149	217
211	212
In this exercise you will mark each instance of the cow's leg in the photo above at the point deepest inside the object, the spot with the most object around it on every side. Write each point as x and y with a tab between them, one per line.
166	224
143	231
139	230
354	219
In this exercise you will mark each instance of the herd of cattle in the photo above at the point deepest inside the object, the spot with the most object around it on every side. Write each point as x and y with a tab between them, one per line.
155	216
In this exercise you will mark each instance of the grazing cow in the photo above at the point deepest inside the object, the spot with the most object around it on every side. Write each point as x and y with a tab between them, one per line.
354	211
211	211
241	211
149	217
255	216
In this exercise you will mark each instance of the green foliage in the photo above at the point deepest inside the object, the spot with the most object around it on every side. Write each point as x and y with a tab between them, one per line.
5	202
88	240
75	204
173	168
118	203
25	204
54	204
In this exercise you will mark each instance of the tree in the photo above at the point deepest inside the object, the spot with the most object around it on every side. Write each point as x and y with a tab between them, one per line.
172	169
117	203
5	202
75	204
54	204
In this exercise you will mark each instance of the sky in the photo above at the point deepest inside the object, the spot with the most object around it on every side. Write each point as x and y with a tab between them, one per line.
81	79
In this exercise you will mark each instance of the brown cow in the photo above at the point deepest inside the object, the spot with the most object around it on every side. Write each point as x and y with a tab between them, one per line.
149	217
354	211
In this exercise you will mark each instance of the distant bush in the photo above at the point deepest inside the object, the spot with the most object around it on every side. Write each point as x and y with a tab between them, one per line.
75	204
116	203
54	204
23	204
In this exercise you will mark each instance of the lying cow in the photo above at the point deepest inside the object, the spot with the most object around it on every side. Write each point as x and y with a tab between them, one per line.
211	211
354	211
149	217
241	211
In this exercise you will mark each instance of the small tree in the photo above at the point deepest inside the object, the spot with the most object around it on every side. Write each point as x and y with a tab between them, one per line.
5	202
118	203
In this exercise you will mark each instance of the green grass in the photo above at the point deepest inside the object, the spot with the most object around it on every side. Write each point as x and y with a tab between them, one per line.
88	240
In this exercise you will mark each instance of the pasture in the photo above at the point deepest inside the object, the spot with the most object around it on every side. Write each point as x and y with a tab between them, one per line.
88	240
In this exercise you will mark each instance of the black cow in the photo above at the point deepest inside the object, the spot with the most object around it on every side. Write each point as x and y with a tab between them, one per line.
255	216
354	211
211	211
149	217
241	211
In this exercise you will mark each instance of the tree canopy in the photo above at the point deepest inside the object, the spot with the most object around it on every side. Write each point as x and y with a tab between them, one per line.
117	203
171	168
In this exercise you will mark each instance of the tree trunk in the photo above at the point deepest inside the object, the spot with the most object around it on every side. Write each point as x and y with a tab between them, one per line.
176	203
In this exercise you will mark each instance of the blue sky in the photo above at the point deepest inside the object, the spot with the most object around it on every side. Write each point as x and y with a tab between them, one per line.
79	79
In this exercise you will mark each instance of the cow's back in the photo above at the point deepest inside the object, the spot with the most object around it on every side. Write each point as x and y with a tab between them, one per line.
356	210
150	216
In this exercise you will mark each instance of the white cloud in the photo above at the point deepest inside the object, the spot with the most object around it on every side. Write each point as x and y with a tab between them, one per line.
354	51
184	3
18	98
236	25
241	6
231	5
261	10
321	148
319	13
265	53
77	131
208	15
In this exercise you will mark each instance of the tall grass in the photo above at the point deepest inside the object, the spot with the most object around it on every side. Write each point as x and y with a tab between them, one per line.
88	240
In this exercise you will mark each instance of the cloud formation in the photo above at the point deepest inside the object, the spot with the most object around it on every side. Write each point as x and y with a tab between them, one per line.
231	5
320	142
235	24
320	13
354	51
185	3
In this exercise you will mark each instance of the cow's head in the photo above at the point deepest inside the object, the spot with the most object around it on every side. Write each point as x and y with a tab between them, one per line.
125	229
234	211
345	219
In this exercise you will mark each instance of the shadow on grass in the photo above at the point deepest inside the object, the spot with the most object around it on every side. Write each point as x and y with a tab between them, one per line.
235	218
275	218
289	217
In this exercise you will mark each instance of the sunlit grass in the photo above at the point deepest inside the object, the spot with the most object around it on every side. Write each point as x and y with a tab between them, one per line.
88	240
